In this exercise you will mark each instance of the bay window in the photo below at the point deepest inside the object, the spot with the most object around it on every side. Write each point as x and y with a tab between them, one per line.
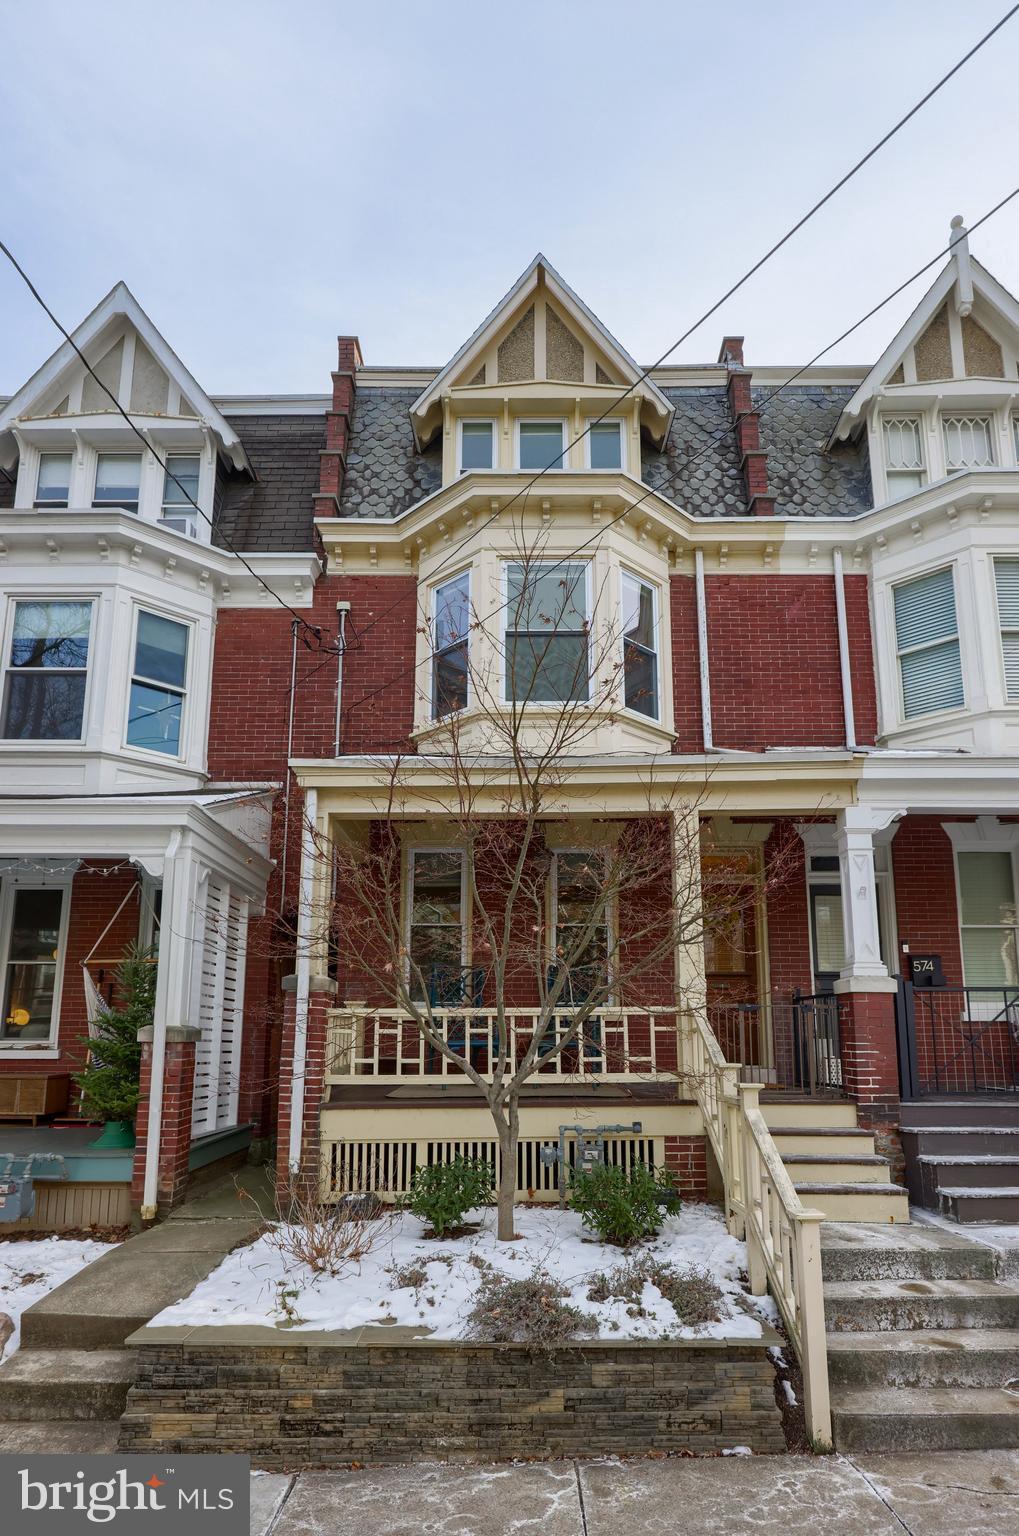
541	445
118	479
904	463
46	671
158	678
968	442
477	445
53	482
640	646
547	621
927	641
451	646
31	936
1006	584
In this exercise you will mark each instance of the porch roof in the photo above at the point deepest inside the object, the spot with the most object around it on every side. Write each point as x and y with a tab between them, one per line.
794	781
229	826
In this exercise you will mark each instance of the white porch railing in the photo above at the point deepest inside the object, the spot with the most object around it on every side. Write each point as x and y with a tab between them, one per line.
614	1044
782	1236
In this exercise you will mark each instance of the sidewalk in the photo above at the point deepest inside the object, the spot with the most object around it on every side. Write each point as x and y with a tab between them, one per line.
964	1493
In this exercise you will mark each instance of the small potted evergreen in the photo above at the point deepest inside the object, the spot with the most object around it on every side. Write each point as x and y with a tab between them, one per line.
109	1081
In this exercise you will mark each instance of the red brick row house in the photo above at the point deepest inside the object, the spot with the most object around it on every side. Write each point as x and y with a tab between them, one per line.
815	582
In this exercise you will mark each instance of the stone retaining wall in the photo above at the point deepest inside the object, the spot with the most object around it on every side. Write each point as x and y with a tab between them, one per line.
324	1400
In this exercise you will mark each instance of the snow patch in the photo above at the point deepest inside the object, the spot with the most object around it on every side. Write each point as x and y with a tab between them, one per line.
29	1270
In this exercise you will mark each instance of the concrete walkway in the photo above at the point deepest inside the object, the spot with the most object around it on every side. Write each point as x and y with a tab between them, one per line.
966	1493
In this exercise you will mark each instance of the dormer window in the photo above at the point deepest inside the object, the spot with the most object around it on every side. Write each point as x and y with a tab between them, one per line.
541	445
904	465
968	443
53	485
477	445
605	445
180	489
118	478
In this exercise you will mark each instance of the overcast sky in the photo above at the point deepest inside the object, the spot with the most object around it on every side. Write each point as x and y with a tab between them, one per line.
266	175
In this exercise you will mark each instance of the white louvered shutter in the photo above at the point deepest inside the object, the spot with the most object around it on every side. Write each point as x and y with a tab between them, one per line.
927	636
1006	581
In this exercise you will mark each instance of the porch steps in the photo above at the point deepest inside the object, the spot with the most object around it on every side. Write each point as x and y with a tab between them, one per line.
923	1341
832	1161
962	1157
44	1384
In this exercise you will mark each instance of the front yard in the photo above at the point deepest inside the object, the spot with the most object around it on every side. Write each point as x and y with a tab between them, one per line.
32	1267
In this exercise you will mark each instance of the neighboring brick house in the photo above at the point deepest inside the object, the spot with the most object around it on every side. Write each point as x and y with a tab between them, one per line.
828	574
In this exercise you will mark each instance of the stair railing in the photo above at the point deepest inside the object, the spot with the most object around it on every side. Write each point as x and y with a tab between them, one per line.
782	1235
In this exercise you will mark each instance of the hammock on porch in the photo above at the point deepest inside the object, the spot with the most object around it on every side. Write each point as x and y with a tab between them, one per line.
96	1006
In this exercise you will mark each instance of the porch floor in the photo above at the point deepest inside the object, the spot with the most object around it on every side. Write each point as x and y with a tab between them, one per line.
83	1162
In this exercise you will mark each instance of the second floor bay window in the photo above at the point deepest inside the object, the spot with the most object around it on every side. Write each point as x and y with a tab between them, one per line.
640	647
451	643
1006	584
968	443
118	479
927	640
547	639
46	671
156	699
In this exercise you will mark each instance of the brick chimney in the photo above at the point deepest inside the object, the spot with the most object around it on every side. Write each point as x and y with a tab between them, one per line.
333	459
746	423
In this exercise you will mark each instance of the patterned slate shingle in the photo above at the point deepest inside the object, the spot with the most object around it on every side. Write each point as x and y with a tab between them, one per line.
699	467
275	512
806	479
385	472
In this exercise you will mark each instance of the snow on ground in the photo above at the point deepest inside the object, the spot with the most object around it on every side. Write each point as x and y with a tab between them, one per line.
29	1270
255	1285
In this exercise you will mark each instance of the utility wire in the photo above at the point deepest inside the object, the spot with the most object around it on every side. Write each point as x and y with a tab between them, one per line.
526	489
712	443
33	290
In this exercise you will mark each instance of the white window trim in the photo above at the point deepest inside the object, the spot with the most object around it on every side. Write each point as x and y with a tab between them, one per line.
553	561
48	743
597	421
179	509
993	557
891	476
52	453
611	920
437	587
535	421
910	721
476	421
408	900
151	754
656	598
39	1049
989	417
114	506
1000	845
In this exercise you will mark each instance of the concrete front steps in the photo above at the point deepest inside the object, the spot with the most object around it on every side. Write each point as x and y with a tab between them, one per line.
962	1157
832	1161
64	1384
923	1341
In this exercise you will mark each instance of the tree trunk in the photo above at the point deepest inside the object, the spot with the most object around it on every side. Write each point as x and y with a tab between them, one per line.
508	1126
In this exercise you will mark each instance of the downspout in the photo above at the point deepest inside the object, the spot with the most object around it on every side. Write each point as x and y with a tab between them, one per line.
342	609
290	753
303	971
702	651
844	666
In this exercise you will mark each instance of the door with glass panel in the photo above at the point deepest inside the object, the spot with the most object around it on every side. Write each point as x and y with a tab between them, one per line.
31	925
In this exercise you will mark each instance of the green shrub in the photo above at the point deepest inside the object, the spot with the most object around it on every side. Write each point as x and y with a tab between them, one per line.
622	1207
443	1194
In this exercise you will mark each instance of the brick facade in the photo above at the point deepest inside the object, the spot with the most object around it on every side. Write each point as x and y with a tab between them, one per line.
175	1129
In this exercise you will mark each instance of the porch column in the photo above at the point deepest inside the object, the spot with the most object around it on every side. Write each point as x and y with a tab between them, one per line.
175	1126
866	992
173	1001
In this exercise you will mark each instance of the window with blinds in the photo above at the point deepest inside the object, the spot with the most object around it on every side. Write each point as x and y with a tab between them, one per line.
1006	583
927	639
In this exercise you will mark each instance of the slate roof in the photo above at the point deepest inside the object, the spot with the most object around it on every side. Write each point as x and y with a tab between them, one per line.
275	512
385	472
698	468
806	479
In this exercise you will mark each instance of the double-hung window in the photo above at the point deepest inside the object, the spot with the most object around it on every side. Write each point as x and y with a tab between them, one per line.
582	932
451	646
53	484
158	684
541	445
927	640
118	478
477	445
46	671
640	647
904	465
547	624
968	442
987	912
180	489
1006	583
31	933
605	445
436	924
